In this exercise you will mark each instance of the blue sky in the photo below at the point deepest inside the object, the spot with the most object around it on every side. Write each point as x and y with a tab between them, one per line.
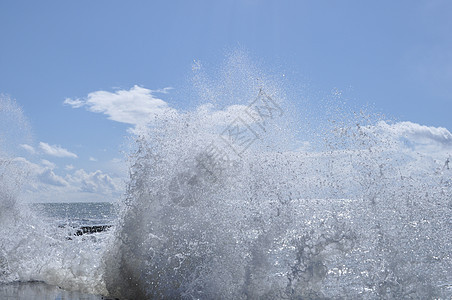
395	55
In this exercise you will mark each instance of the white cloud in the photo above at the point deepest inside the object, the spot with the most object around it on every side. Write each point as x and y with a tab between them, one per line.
57	151
48	164
418	133
28	148
92	158
44	185
49	177
32	168
432	141
74	103
43	173
136	106
95	182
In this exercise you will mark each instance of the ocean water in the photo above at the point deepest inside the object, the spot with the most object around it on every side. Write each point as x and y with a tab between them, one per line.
77	214
223	203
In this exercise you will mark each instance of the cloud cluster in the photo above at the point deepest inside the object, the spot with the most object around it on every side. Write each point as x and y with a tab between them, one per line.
94	182
73	185
47	182
41	173
47	176
136	106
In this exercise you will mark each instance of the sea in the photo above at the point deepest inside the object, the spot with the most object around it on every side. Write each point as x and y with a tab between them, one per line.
77	215
74	224
246	196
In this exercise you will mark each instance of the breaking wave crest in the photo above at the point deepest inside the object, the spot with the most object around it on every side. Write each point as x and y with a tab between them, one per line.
220	206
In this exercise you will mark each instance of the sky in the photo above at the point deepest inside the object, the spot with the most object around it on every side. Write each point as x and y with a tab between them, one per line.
71	65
